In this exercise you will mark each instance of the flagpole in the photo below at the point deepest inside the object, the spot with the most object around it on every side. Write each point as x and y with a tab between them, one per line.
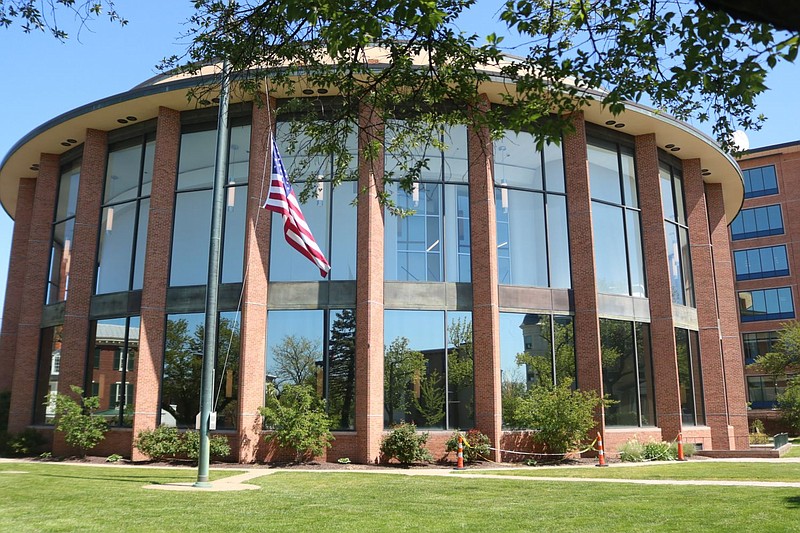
212	285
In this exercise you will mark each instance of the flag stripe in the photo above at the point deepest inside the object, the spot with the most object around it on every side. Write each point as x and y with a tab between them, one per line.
281	199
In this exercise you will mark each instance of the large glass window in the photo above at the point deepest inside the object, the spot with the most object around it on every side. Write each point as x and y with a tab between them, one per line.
116	348
49	370
315	348
627	372
63	231
756	344
126	206
183	364
763	391
677	235
532	237
535	349
329	212
690	378
760	181
432	241
428	373
616	220
757	222
759	263
192	226
766	304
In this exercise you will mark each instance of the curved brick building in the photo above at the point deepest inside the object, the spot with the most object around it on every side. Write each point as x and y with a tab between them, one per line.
603	261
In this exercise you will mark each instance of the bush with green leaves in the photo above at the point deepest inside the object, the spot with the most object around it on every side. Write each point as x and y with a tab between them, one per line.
28	442
82	428
298	421
406	445
689	449
476	445
789	404
560	416
660	451
632	451
168	443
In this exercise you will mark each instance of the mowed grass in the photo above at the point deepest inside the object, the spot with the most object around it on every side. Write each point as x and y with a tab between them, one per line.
69	498
698	469
794	452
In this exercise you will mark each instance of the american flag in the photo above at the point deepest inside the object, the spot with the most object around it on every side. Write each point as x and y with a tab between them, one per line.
281	199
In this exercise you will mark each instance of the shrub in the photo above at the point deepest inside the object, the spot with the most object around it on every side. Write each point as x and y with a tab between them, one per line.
476	445
758	438
660	451
114	458
26	443
218	446
159	443
405	444
632	452
76	419
789	404
757	426
689	449
168	443
298	420
560	415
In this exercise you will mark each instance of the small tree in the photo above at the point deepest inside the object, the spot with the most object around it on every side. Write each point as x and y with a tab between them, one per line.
76	419
789	404
298	420
405	444
560	416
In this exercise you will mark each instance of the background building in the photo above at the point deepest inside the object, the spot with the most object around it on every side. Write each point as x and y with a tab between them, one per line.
766	253
604	261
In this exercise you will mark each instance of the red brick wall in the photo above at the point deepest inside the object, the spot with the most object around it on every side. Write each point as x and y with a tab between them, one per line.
662	327
581	245
30	316
485	299
156	273
369	293
729	322
254	298
16	280
706	297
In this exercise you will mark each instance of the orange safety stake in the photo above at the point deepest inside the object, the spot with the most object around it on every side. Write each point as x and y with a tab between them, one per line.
680	448
460	462
601	455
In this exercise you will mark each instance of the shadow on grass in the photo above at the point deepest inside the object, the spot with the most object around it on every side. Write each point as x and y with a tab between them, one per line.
128	479
793	502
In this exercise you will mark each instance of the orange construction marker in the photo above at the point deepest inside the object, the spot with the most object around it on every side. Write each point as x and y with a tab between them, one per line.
680	448
460	461
601	455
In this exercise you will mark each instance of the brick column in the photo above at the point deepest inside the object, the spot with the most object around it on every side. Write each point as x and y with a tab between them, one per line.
75	343
152	331
706	298
485	298
728	317
23	387
369	292
581	245
16	280
662	326
254	299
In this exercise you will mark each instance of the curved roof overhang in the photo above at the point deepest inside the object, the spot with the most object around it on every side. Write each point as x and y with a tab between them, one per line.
143	102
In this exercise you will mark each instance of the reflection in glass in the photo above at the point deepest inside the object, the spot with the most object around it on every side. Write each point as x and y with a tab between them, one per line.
183	357
689	377
116	349
535	349
63	229
627	370
48	374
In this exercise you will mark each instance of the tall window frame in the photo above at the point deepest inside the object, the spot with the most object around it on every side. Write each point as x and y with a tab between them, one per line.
690	377
61	240
676	230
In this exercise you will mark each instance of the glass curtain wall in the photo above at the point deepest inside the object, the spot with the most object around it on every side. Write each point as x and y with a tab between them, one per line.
113	368
690	377
126	207
428	371
432	242
530	202
191	232
49	369
627	366
183	362
315	348
677	235
329	211
616	219
535	349
63	231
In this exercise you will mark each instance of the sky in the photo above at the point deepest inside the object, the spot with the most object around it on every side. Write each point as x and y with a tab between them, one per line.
44	77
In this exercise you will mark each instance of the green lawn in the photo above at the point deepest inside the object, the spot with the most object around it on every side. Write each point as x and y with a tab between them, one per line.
707	470
794	452
70	498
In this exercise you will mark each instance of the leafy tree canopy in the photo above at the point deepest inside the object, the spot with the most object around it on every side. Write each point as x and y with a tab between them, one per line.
690	61
46	15
785	352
